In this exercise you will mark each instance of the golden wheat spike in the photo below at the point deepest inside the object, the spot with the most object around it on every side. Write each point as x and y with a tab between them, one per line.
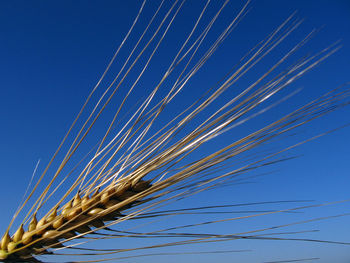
137	168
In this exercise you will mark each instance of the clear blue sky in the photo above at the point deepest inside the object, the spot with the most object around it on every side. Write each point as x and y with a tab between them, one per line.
53	52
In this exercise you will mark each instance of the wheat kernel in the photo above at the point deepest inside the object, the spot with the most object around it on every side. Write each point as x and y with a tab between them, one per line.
77	200
27	237
11	246
3	255
50	233
105	197
52	216
73	213
85	203
95	211
39	227
67	208
58	222
122	189
18	234
33	223
5	240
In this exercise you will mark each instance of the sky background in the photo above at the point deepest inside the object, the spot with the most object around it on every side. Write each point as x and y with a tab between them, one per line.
53	52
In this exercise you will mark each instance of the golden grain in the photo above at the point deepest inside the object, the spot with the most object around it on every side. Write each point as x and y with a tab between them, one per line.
99	199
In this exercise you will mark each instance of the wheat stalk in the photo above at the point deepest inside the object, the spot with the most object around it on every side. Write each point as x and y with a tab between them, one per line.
134	170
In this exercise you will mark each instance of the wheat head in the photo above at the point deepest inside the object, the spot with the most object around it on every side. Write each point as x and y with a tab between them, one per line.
135	169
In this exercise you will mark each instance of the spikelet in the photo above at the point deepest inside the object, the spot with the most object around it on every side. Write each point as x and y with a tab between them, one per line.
3	254
144	166
33	223
6	239
18	234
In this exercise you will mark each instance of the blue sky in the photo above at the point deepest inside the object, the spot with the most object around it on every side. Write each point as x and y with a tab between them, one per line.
53	52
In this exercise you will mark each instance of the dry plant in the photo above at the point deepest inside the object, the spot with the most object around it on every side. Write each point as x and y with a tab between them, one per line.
142	163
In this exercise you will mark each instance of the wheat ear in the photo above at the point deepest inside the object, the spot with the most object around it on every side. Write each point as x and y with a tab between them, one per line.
133	171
